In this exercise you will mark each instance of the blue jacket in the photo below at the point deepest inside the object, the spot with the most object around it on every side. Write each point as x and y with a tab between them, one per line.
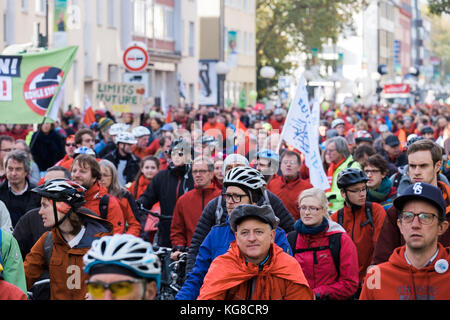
216	243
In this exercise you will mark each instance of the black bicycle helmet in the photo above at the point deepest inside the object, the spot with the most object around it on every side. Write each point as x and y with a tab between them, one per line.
350	176
62	190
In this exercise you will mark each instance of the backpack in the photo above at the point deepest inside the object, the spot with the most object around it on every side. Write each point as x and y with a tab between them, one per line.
334	244
368	215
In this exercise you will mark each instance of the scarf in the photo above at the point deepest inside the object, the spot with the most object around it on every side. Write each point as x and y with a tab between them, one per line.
300	227
382	192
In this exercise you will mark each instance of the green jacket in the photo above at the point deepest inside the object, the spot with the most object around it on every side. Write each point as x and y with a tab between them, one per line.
334	196
11	258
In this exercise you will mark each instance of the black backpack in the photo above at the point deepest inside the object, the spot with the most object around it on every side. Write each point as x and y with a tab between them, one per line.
334	244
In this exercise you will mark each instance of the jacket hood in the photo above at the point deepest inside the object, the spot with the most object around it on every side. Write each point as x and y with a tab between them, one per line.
398	260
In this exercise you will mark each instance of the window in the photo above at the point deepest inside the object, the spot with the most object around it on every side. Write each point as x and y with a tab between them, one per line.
191	38
99	12
111	13
24	5
164	22
113	73
139	17
40	6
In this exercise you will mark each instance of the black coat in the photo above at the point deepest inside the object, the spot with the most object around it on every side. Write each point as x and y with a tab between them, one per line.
19	205
208	220
166	187
47	149
131	168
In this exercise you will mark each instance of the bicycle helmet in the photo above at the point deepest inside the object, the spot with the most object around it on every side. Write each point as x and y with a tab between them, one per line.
234	158
363	135
62	190
337	122
125	137
246	177
350	176
83	150
180	144
126	251
116	128
140	131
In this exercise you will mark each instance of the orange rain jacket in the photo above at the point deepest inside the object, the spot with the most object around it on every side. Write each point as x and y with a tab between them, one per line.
230	276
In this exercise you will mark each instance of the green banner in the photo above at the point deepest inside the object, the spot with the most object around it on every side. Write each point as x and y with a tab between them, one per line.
30	82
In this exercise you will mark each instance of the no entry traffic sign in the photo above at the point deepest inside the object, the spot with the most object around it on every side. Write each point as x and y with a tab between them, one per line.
135	58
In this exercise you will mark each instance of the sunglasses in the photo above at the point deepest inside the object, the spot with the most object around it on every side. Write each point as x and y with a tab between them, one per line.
70	144
118	288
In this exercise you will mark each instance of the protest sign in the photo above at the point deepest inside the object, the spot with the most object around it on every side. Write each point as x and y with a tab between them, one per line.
119	97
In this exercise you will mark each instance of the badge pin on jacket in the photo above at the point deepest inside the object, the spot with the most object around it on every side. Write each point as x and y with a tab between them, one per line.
441	266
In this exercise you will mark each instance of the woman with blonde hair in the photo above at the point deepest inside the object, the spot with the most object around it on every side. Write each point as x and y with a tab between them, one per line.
110	181
327	255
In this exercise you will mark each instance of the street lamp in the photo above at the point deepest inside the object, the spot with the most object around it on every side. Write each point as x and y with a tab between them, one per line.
222	69
267	73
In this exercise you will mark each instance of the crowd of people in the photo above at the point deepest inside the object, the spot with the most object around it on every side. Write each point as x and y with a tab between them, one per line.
75	197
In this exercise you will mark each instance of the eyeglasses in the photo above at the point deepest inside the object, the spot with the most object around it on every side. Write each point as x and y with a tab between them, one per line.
358	191
179	153
195	172
311	209
5	150
289	162
371	171
425	218
118	288
234	197
70	144
330	150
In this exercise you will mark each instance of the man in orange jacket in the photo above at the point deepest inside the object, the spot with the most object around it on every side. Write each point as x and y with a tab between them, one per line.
190	205
419	270
86	171
289	185
254	268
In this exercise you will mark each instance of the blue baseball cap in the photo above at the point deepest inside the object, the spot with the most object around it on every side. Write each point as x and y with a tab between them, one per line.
422	191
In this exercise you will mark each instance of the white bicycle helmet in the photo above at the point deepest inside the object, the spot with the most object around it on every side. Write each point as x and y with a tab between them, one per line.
125	137
246	177
84	150
116	128
337	122
127	251
140	131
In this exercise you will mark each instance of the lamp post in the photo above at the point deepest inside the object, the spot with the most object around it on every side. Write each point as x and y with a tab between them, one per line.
222	69
267	73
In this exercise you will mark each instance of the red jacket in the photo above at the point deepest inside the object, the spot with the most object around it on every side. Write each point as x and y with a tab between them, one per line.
8	291
65	162
398	280
115	214
288	192
319	268
366	237
281	278
141	184
187	212
133	226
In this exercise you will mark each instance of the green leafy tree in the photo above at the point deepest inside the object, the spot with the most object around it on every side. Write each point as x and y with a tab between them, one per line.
289	27
438	7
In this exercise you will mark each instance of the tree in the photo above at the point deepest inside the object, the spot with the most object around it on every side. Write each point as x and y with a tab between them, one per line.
288	27
438	7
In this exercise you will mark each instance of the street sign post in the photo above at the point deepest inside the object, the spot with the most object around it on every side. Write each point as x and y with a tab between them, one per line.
135	58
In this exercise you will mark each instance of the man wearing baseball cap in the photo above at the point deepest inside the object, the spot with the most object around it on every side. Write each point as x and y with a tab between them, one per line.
419	270
254	268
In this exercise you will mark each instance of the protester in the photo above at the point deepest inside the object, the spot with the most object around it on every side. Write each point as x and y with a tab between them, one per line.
106	140
424	163
110	181
122	267
268	163
9	291
122	157
73	230
361	220
340	159
85	137
289	185
86	172
70	147
34	176
392	152
254	268
419	269
326	253
11	261
6	145
141	134
15	191
47	146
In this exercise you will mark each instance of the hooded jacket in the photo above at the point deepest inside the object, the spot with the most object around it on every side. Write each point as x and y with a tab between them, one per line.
365	237
188	210
390	236
319	268
166	188
230	277
216	243
288	192
398	280
67	279
114	215
131	167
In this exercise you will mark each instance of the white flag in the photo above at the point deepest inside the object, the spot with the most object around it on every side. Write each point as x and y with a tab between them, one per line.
299	131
